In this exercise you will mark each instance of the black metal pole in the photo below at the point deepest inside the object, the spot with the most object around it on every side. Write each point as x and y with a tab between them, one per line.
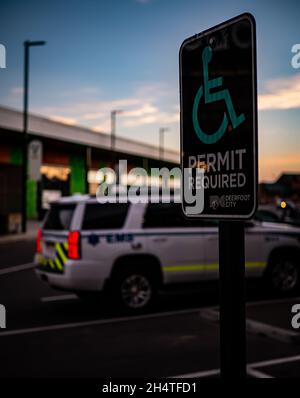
161	144
25	136
113	143
88	167
232	299
113	137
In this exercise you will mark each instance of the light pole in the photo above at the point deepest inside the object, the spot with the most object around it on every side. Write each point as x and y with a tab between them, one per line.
113	115
27	45
162	131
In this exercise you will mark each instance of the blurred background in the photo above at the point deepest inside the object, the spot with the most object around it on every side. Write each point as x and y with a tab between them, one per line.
86	83
113	65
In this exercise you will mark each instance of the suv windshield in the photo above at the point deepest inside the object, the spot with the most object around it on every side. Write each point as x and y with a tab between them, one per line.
59	217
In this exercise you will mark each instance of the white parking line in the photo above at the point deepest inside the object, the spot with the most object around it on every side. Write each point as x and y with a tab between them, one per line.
250	368
16	268
61	297
95	322
271	331
256	327
216	372
249	304
204	373
274	301
277	361
258	374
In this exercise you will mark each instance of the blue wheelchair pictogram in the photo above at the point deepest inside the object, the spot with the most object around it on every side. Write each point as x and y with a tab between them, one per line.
210	97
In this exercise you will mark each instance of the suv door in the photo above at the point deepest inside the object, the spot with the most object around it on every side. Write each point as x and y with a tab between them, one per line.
211	250
177	242
255	250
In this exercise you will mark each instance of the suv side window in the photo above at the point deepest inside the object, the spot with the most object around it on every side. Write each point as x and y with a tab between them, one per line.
170	215
104	215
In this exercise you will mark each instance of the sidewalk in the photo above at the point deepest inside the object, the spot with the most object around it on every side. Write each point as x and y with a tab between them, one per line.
32	228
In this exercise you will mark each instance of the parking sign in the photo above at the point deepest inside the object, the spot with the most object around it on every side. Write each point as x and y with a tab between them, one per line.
218	99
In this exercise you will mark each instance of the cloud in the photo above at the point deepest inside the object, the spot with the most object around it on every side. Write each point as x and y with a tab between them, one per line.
281	94
93	116
284	161
271	166
141	111
149	104
17	91
102	127
65	120
159	117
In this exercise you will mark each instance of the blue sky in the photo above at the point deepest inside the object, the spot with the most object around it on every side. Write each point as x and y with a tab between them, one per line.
101	55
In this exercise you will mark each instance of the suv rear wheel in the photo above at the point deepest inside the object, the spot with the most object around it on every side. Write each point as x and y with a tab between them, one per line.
134	289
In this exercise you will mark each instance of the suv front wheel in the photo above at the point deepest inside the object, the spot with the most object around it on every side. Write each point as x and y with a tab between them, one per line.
283	275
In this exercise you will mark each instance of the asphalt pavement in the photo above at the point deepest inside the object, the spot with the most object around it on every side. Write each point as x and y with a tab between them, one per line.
54	334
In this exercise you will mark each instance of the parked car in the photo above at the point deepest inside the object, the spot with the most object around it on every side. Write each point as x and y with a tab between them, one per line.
133	250
284	212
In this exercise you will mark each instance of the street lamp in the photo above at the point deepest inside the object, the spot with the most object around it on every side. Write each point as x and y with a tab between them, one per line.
113	115
27	45
162	131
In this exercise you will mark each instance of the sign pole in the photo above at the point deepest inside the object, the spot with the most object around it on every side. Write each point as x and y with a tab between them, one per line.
218	103
232	299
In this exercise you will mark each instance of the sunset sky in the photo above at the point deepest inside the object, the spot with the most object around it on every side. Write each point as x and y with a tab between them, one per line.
123	54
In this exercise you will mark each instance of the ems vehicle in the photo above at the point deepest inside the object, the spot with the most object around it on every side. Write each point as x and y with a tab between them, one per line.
133	250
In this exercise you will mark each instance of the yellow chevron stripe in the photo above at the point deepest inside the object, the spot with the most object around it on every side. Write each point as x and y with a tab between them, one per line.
62	254
57	262
42	260
51	264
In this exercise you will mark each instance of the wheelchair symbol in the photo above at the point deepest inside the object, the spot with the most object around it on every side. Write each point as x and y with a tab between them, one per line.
213	97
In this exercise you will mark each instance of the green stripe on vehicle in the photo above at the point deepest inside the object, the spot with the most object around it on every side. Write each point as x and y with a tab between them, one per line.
256	264
189	267
207	267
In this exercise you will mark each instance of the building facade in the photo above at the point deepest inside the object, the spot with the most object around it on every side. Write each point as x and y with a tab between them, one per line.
70	157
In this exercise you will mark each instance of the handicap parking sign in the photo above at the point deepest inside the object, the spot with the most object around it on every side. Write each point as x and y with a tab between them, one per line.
218	101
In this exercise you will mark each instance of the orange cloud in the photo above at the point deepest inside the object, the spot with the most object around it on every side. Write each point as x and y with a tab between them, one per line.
281	94
270	167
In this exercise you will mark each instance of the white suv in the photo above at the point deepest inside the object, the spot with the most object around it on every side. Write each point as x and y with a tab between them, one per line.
132	250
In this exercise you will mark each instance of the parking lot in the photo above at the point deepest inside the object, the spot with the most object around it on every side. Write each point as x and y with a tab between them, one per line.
55	334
